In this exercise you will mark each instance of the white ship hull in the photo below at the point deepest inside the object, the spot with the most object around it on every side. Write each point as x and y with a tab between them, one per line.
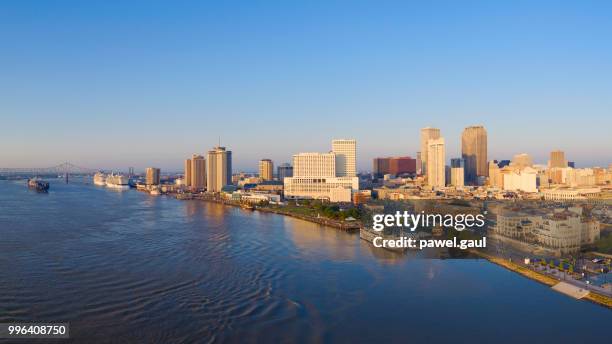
99	179
117	186
114	181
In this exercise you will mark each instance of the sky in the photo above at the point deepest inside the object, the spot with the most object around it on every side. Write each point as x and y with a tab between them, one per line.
114	84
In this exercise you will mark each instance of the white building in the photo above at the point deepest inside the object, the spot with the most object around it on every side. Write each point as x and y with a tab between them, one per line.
521	180
570	194
457	176
323	175
436	159
346	156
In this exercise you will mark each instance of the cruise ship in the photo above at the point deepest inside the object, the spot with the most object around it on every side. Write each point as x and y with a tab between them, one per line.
99	178
117	181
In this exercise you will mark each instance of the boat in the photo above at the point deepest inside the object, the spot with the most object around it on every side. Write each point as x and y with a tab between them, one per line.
38	185
117	181
99	179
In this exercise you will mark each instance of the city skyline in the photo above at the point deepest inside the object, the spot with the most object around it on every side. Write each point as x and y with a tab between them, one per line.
94	84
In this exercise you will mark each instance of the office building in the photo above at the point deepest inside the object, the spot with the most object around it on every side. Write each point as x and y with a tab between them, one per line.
315	175
426	135
187	177
266	169
284	170
522	160
198	173
557	159
436	167
152	176
524	180
346	155
218	169
474	152
394	165
314	165
380	166
457	176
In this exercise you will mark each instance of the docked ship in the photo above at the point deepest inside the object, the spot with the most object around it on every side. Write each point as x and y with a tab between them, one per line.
38	185
99	178
117	181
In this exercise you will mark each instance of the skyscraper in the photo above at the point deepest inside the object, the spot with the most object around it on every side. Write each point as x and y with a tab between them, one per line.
557	159
218	169
187	179
198	172
346	153
426	135
152	176
284	170
266	169
419	163
436	168
474	152
522	160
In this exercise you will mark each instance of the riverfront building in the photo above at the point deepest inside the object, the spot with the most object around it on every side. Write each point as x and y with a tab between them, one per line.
198	173
346	157
187	178
152	176
316	176
474	152
218	169
561	231
266	169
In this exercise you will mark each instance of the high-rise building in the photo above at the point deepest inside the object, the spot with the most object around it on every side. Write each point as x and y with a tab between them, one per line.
419	164
380	166
316	176
522	160
187	179
426	135
557	159
198	172
436	168
346	155
474	152
266	169
314	165
284	170
218	169
152	176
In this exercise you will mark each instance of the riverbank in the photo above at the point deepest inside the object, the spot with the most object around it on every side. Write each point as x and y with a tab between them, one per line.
349	226
602	300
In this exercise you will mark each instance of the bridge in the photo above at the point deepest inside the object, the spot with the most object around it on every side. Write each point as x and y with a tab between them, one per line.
64	169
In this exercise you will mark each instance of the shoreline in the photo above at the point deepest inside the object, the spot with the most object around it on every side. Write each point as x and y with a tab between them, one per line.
593	297
342	225
355	226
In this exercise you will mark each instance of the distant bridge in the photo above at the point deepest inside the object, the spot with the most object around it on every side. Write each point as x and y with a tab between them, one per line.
61	169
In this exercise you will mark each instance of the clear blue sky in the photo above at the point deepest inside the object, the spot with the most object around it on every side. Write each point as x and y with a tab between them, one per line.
112	84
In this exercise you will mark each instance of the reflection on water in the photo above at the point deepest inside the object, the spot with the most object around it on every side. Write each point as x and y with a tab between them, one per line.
131	267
